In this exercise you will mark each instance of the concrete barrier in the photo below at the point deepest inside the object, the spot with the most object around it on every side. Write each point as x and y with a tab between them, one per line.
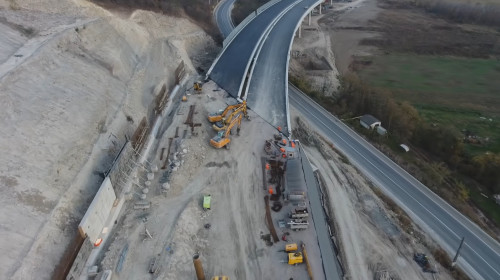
237	30
258	46
95	218
267	5
249	18
308	11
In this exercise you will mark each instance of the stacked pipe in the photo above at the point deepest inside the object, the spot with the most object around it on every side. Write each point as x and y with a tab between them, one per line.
200	275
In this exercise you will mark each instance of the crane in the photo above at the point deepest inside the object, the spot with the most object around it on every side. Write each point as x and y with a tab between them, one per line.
222	138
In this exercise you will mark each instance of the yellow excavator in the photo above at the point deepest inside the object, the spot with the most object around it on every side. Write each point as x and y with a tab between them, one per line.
218	116
222	124
222	138
197	86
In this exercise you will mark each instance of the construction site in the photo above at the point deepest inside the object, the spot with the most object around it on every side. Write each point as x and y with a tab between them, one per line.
140	169
210	189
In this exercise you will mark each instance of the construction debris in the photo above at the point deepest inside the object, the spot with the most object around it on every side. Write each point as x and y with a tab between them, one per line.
306	258
154	266
123	255
269	221
142	205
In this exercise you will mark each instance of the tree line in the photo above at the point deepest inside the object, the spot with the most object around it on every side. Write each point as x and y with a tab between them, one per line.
461	11
441	142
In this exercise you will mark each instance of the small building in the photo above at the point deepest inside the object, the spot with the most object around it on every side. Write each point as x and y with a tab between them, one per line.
369	122
497	198
382	131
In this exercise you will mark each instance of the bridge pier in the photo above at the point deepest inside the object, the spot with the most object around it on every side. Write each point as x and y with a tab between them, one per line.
309	18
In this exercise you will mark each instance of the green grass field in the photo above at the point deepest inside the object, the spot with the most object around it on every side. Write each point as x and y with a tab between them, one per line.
462	92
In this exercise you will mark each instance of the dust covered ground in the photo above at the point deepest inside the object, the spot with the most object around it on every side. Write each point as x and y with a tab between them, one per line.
323	52
75	79
373	243
233	245
347	25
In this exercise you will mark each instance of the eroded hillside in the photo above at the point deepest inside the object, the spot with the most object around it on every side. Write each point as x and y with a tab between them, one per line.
75	80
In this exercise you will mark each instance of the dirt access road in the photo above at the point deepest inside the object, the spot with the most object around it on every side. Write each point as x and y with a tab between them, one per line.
373	244
324	50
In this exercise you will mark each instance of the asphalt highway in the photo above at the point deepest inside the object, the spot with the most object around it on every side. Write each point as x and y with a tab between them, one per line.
267	89
223	17
480	255
230	69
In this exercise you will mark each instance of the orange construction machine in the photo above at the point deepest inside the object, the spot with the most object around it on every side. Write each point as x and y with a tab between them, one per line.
218	116
222	138
225	121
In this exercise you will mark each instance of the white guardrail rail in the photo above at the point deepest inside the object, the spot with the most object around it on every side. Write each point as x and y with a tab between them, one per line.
247	20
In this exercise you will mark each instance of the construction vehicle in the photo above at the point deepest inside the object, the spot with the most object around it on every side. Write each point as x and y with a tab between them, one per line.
424	262
295	258
224	122
197	86
218	116
291	247
222	138
207	201
220	278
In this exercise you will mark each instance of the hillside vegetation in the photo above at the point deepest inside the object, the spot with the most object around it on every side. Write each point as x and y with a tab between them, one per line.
439	68
429	71
458	91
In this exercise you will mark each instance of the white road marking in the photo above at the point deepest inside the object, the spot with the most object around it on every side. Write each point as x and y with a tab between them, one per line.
432	214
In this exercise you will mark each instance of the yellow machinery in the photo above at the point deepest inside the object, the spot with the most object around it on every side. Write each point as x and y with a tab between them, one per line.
306	258
295	258
218	116
224	122
220	278
197	86
291	247
222	138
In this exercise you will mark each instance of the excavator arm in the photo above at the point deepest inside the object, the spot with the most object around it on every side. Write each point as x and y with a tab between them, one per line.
223	124
219	116
222	138
236	121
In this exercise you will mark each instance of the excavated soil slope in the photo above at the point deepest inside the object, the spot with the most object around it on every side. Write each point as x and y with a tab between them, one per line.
74	80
